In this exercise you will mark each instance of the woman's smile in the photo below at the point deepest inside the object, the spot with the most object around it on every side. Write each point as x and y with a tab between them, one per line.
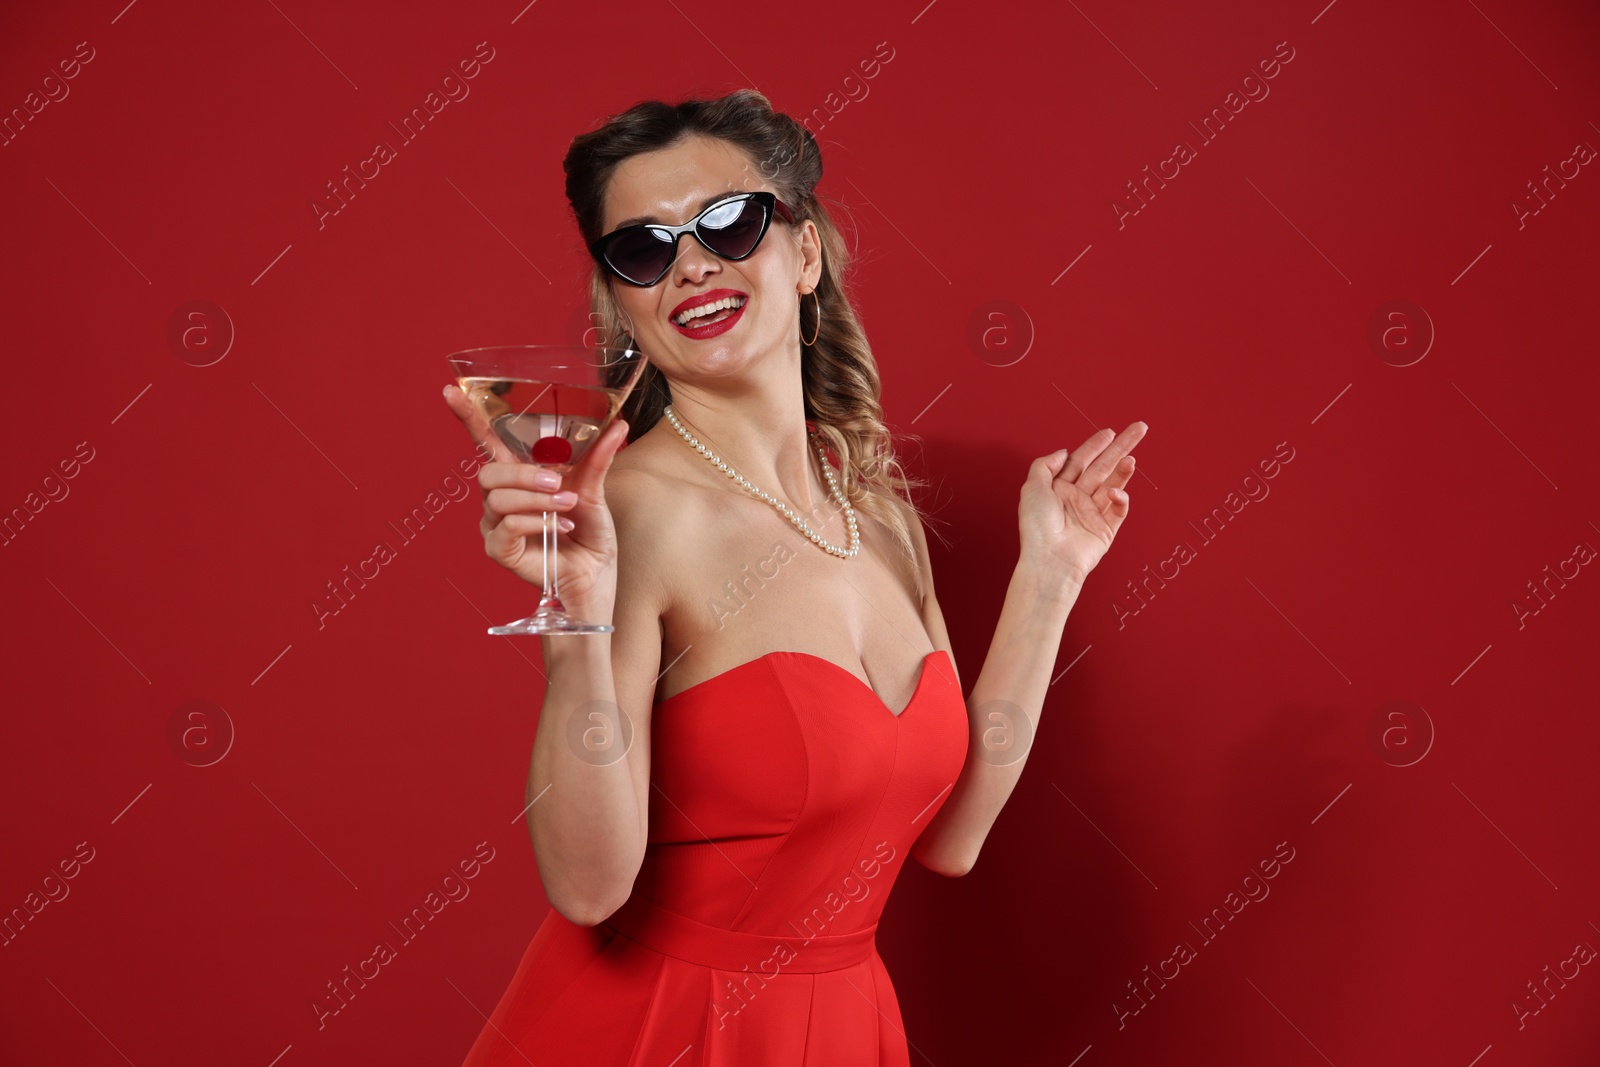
709	314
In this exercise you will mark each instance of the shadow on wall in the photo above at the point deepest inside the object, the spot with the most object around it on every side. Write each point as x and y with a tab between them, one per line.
971	940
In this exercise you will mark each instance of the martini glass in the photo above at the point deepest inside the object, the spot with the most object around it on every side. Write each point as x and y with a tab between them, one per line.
545	405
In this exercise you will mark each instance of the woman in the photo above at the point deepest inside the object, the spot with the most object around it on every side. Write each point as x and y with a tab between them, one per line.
779	720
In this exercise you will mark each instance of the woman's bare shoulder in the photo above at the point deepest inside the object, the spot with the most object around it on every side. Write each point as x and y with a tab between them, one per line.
646	492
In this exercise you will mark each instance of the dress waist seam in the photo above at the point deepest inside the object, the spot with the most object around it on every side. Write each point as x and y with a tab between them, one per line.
692	941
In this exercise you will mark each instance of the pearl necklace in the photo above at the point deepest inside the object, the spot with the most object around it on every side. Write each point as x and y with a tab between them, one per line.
800	524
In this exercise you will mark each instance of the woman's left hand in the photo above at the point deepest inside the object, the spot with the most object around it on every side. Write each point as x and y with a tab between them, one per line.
1073	503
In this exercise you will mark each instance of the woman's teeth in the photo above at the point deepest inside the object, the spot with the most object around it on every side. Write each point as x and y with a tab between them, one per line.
712	308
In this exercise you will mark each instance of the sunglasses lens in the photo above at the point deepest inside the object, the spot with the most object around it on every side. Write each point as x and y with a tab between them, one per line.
641	255
732	230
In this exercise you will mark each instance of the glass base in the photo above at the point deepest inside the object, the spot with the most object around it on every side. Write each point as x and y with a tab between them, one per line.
551	620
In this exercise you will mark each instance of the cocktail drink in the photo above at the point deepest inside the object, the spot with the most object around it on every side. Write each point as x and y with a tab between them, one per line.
545	405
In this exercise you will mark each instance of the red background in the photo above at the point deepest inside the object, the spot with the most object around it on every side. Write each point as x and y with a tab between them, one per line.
374	752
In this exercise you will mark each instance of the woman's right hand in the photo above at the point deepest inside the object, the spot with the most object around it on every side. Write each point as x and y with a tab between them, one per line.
515	496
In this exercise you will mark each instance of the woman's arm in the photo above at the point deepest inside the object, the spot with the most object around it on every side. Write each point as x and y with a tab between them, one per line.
1003	711
589	779
1072	505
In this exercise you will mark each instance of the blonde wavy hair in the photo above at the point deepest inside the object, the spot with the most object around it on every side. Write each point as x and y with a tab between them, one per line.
839	376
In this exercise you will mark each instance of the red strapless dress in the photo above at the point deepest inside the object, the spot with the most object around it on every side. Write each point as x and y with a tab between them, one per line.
785	800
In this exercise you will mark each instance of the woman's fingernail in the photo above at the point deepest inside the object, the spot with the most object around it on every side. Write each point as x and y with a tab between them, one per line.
547	479
564	524
565	497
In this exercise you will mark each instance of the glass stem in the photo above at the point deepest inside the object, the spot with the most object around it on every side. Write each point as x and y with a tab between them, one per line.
552	594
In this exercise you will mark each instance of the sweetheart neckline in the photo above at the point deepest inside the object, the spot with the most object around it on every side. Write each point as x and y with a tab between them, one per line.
916	691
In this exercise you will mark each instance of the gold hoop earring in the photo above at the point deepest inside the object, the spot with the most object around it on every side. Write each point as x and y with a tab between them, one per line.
818	330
